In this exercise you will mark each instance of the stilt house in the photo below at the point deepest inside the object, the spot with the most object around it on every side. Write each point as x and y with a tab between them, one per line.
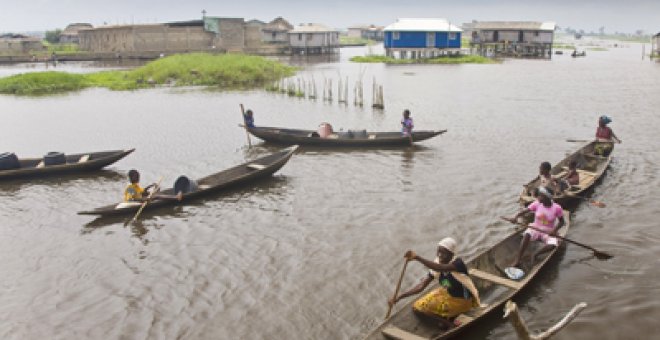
421	38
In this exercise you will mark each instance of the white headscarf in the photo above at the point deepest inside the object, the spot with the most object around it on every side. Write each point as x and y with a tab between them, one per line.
449	244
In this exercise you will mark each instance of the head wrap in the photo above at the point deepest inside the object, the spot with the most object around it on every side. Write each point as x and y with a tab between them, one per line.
449	244
605	119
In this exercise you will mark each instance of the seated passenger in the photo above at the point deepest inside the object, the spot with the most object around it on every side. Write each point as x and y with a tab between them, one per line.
572	177
406	123
546	179
456	294
135	193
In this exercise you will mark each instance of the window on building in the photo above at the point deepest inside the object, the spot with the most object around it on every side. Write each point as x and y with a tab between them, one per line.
536	34
309	37
452	35
395	35
274	34
299	36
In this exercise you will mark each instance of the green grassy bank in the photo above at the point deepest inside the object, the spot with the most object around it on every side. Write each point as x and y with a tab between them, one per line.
459	59
225	71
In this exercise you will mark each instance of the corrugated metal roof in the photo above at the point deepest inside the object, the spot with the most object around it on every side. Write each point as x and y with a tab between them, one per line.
515	25
312	28
367	27
422	25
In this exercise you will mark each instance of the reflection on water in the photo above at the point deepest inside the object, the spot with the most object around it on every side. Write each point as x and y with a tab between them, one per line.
321	242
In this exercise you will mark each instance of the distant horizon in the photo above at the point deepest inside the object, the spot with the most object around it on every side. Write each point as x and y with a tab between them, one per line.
588	15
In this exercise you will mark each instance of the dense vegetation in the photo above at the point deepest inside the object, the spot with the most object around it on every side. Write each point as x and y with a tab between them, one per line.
453	59
226	71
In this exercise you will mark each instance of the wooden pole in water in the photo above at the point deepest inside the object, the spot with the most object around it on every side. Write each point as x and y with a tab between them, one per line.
346	91
643	50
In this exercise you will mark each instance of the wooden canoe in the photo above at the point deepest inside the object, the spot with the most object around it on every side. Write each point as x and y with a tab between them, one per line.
591	168
240	174
34	167
339	139
495	289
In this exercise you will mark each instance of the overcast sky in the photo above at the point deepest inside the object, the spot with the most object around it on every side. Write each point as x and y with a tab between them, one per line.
621	16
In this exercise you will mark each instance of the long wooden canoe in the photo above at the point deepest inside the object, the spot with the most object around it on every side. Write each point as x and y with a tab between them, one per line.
495	288
34	167
240	174
591	168
339	139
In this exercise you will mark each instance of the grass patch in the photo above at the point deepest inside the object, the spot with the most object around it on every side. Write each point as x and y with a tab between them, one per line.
459	59
225	71
346	40
39	83
563	46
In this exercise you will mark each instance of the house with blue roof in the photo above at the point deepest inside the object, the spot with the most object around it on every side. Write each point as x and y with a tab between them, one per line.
417	38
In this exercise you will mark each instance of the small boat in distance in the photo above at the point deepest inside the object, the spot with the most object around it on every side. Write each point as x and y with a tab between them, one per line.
241	174
495	289
58	163
591	168
578	54
339	139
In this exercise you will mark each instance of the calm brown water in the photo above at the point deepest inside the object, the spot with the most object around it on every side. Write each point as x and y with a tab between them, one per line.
314	252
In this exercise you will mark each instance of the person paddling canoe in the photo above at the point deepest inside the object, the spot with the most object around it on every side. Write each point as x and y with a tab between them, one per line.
546	214
456	294
605	137
135	193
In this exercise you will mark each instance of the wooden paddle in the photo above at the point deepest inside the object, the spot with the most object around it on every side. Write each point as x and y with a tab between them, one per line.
577	140
151	194
599	254
396	290
247	133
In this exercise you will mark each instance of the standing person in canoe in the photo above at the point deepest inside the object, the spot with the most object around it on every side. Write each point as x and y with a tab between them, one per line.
406	123
546	214
605	136
248	117
456	294
135	193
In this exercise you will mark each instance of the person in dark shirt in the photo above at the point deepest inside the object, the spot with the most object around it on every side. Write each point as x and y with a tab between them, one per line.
456	293
249	119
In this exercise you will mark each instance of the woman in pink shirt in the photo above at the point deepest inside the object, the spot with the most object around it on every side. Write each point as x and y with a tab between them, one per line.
546	213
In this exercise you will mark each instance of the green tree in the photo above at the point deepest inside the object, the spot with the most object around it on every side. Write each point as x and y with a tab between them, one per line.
53	37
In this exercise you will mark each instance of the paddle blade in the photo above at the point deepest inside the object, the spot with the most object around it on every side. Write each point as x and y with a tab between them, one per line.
598	204
602	256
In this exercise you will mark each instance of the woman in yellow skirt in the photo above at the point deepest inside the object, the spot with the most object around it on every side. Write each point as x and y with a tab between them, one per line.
456	294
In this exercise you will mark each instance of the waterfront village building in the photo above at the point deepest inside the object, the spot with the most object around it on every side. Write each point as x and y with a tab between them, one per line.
211	34
371	32
276	31
524	39
222	34
421	38
313	39
12	44
70	33
655	45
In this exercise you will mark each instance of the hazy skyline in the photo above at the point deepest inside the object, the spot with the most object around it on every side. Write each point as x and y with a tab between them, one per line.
615	16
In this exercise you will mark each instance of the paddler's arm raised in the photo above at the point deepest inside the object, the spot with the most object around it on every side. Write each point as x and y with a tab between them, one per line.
438	267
